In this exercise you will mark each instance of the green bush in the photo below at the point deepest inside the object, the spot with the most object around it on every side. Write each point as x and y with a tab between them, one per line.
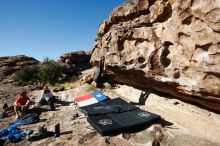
27	74
50	73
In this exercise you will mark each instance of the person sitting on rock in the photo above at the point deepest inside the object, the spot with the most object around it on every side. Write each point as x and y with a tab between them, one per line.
47	97
100	76
21	104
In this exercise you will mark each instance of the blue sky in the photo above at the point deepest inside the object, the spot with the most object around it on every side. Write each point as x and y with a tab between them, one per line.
49	28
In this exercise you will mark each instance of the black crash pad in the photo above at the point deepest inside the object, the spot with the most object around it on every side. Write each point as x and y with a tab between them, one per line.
116	105
121	122
117	116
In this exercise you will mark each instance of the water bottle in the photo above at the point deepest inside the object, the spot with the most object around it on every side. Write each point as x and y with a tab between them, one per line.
57	130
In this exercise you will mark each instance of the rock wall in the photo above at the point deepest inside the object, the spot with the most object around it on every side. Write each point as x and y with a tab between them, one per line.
10	64
171	46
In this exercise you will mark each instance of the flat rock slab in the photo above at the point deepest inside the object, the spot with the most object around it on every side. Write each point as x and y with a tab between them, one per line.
180	118
182	124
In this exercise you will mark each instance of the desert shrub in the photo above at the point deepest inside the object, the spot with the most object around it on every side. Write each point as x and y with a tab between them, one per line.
51	72
99	34
27	74
46	60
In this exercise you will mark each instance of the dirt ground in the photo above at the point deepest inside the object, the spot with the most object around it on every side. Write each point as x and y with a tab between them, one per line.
182	124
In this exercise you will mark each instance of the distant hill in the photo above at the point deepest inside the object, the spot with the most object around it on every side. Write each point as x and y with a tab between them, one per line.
10	64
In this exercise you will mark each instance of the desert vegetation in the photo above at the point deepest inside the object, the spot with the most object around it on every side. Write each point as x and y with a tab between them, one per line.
49	72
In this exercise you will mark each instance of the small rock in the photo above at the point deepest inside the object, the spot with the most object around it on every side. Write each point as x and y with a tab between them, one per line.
76	122
126	136
107	85
87	137
155	143
175	103
57	89
107	140
75	116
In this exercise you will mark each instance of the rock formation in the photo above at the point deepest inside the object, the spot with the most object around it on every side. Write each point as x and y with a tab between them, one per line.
10	64
76	57
75	62
171	46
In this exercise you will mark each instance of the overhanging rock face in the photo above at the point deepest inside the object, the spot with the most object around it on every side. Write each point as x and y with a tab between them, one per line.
169	45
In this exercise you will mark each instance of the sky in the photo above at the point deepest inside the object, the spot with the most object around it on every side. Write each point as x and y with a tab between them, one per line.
49	28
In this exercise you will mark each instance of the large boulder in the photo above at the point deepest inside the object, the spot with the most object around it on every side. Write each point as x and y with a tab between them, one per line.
171	46
76	57
10	64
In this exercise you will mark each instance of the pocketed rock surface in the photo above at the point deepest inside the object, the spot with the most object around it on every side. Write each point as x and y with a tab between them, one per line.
182	124
172	46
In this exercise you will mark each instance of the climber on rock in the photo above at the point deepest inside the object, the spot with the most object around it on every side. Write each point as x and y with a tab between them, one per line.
100	76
